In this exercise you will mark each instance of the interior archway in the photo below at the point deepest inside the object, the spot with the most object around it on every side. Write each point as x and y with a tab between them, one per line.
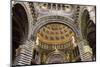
54	19
55	37
88	28
19	27
55	58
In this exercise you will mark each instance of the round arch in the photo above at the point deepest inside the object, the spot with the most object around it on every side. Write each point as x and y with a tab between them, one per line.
19	27
54	19
88	29
27	8
56	57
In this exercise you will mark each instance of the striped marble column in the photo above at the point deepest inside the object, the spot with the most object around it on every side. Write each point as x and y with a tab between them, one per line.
24	53
85	51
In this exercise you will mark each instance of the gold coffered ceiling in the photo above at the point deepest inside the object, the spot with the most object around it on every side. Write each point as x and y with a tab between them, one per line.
55	33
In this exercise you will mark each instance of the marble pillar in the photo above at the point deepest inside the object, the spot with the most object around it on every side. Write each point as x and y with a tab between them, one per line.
85	51
24	53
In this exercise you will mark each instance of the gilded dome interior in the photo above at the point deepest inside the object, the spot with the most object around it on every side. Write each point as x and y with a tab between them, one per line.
55	33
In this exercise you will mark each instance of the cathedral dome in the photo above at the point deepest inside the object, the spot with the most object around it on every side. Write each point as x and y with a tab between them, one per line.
55	33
